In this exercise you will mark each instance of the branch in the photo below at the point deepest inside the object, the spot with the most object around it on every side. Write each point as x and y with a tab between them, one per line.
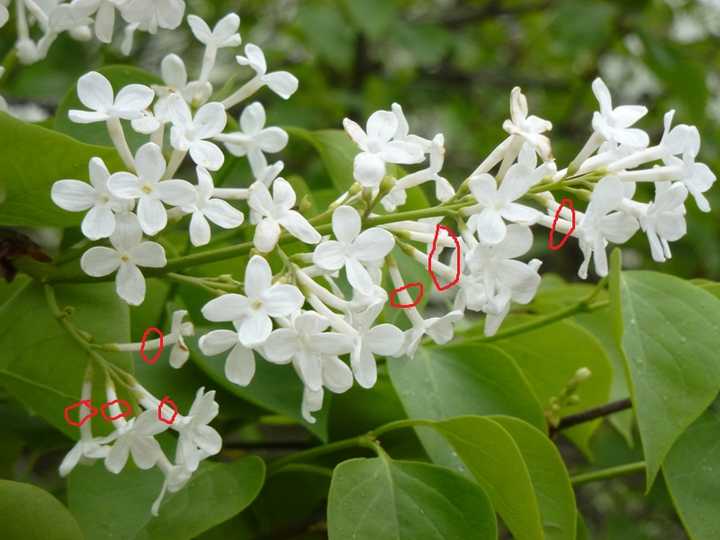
591	414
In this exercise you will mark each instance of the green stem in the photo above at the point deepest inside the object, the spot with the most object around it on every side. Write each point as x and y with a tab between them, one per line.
195	282
611	472
9	62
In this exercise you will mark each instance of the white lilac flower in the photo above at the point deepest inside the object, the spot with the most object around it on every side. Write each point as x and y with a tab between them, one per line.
378	147
500	278
336	377
382	339
440	329
601	224
104	11
255	140
530	128
403	130
262	301
498	203
191	134
166	14
96	93
305	343
354	248
136	437
176	477
224	34
128	252
697	177
197	439
207	208
664	220
150	189
271	212
175	79
613	124
284	84
78	196
179	330
240	362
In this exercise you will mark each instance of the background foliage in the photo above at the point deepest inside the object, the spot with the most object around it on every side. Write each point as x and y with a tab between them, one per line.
451	65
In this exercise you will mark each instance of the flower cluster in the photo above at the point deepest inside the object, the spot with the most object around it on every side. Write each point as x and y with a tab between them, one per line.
321	308
82	19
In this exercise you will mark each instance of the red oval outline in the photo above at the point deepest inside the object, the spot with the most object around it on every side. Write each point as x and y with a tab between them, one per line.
458	258
397	291
122	414
167	401
555	247
83	403
156	356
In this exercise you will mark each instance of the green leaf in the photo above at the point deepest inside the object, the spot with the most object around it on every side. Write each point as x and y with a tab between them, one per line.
669	337
692	473
30	513
96	133
378	498
444	382
336	150
41	364
118	506
493	457
550	356
275	388
549	476
32	158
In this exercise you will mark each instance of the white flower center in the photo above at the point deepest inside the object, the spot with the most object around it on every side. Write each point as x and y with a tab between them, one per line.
256	305
125	258
147	188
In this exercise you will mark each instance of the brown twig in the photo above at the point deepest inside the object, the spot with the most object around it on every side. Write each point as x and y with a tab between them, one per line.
591	414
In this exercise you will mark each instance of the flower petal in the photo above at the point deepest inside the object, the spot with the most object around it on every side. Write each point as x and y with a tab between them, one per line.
240	365
223	214
385	339
173	71
358	276
228	307
124	185
73	195
176	192
382	125
95	92
368	169
98	223
266	236
281	345
373	244
133	99
148	254
284	84
217	341
329	255
209	121
150	162
100	261
490	226
252	119
337	376
254	329
199	229
300	227
130	284
207	154
152	216
282	300
346	224
258	276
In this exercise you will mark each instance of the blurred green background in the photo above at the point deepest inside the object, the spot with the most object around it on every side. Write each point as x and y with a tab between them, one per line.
452	64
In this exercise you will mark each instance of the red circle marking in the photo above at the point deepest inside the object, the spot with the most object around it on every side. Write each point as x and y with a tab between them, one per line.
393	295
84	403
123	414
167	401
156	356
458	258
563	203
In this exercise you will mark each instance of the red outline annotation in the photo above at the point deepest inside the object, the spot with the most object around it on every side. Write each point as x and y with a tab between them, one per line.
123	414
156	356
167	401
84	403
458	258
393	295
564	202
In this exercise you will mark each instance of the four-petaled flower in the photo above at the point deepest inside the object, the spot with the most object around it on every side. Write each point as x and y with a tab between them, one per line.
191	134
198	440
284	84
136	437
530	128
96	93
613	124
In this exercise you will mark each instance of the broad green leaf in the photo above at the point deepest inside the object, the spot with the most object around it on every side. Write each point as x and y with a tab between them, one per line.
32	158
450	381
379	498
275	388
118	506
96	133
550	356
692	474
336	150
493	457
669	335
30	513
549	476
41	364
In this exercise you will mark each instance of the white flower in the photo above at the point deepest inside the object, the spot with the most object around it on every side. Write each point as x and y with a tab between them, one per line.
179	352
336	377
502	278
207	208
136	437
87	449
498	203
440	330
697	177
284	84
530	128
77	196
383	339
96	93
190	134
174	75
665	219
176	477
128	252
678	140
378	148
197	439
151	15
224	34
613	124
240	363
305	343
403	130
104	11
150	189
353	248
600	224
263	300
255	140
272	212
